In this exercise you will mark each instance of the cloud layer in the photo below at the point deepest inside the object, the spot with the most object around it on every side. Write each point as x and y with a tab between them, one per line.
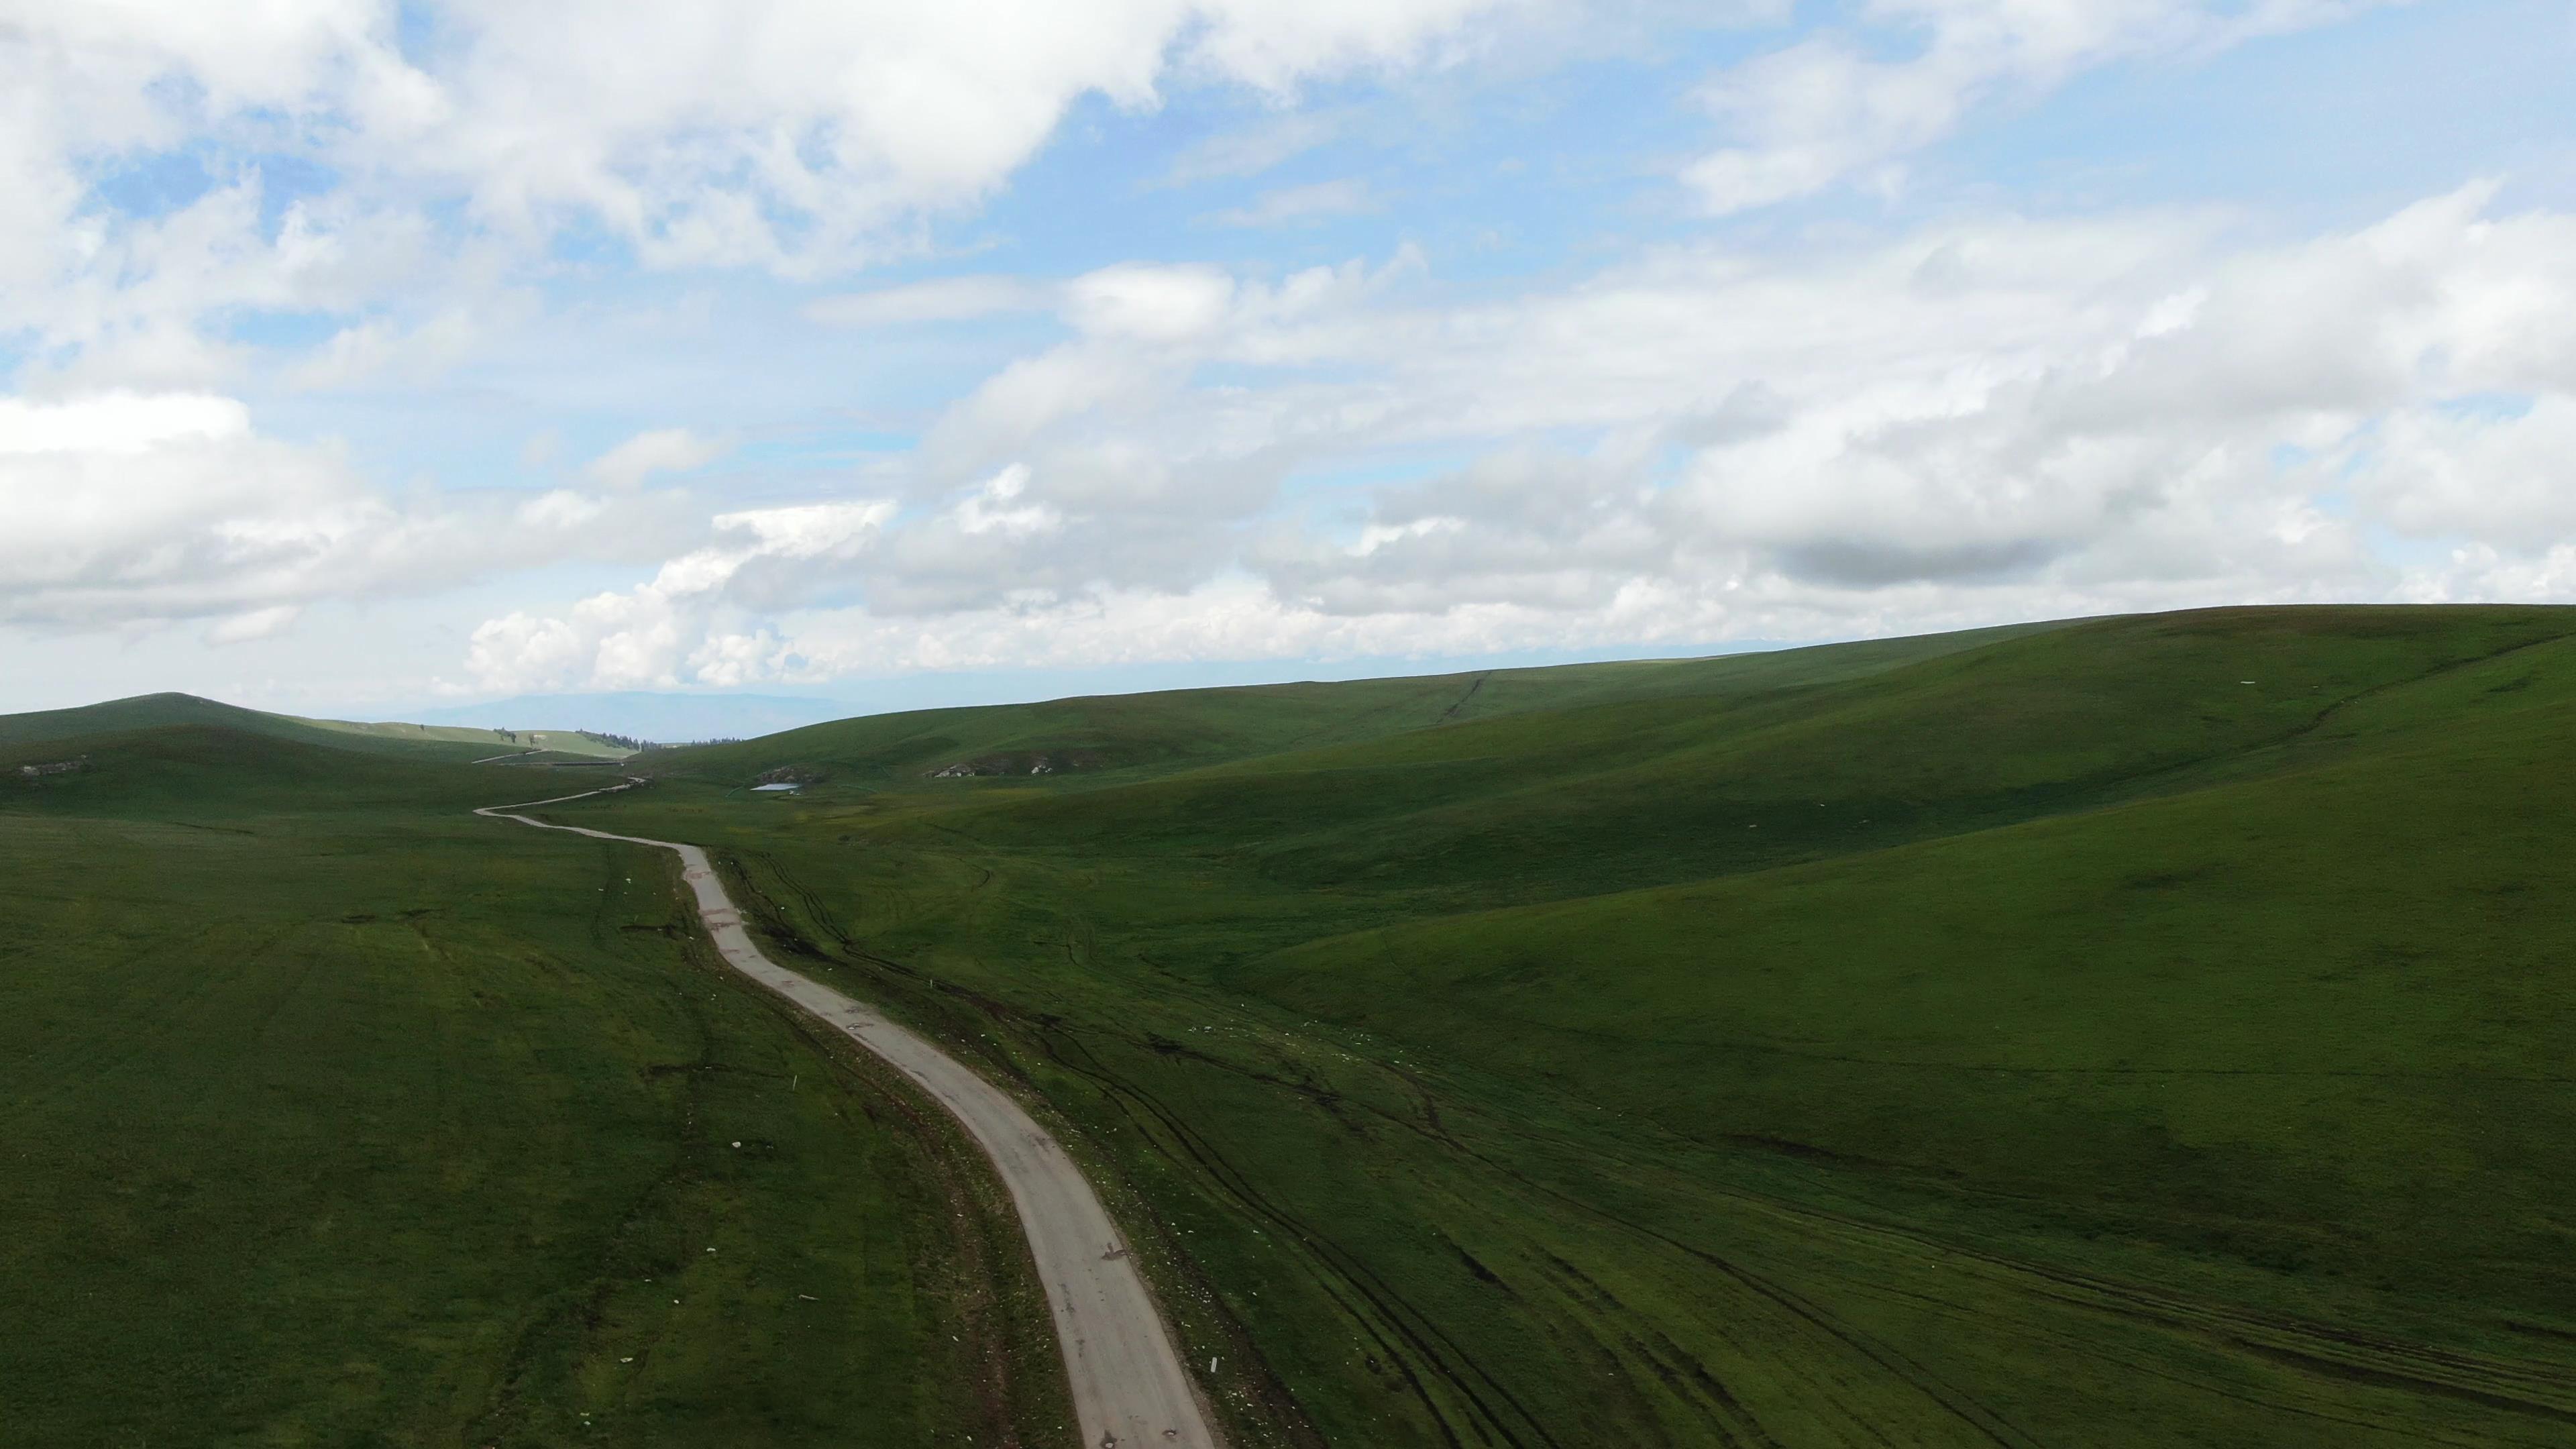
649	345
1979	420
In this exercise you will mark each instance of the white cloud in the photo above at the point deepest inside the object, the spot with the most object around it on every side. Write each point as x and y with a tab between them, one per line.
674	626
126	296
1970	416
808	531
561	509
806	137
123	506
117	423
1830	108
128	508
632	463
1256	149
1378	535
1979	420
995	507
382	349
797	134
2481	573
943	299
256	624
1278	47
1149	303
2030	414
1295	205
2468	472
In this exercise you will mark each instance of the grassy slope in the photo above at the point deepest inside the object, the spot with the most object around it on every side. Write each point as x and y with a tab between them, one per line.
2063	1040
340	1116
1131	736
572	744
2220	1018
418	742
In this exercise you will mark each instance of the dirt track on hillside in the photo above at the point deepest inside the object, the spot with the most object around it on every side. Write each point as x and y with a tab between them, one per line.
1129	1389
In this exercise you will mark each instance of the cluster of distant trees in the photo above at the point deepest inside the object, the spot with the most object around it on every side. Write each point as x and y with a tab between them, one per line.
622	741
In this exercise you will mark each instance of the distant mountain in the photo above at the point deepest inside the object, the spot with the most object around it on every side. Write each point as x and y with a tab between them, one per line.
646	715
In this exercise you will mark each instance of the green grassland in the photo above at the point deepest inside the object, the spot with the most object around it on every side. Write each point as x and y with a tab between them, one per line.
565	744
338	1116
411	741
2141	1031
2144	1031
1117	738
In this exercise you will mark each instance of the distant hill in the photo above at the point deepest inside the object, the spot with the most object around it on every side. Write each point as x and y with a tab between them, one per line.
1123	735
157	711
647	715
2139	1031
583	743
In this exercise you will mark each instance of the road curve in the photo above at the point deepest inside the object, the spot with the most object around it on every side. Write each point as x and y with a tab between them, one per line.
1129	1389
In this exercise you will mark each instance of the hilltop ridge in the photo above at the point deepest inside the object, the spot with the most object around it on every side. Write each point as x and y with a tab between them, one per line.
170	708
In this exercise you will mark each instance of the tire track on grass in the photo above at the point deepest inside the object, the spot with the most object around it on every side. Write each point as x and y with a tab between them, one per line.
1334	1270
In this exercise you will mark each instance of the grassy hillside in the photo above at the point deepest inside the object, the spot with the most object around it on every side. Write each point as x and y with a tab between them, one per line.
565	744
2144	1031
340	1116
419	742
1112	738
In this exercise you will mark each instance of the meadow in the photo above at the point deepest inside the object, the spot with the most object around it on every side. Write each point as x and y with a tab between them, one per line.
2140	1031
339	1116
2145	1031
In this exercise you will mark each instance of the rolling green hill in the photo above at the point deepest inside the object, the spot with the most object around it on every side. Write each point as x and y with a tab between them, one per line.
1111	738
2141	1031
340	1116
2138	1031
560	744
155	711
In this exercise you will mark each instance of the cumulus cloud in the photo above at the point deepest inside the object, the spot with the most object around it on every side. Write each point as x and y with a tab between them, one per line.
996	507
675	625
1946	420
795	134
662	450
1973	421
1834	106
1149	303
162	168
382	349
130	508
117	423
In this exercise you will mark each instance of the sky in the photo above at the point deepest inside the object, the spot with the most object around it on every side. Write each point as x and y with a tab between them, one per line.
363	357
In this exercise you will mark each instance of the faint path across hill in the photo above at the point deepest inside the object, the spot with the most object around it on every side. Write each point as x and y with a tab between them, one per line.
1129	1389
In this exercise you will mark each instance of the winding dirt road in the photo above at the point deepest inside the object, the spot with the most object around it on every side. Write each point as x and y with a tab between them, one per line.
1129	1389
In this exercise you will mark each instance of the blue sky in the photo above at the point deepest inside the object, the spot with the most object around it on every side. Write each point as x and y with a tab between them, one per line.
365	358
